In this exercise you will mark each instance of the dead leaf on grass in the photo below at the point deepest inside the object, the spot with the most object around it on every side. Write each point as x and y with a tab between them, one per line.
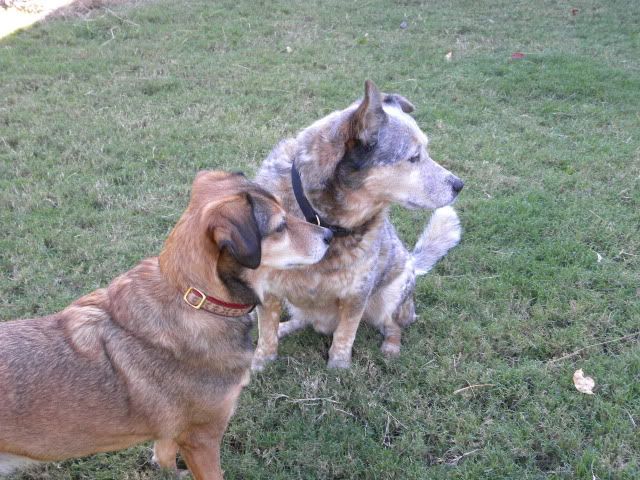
583	384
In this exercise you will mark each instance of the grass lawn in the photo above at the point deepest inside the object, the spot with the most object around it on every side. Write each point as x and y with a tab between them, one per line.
106	118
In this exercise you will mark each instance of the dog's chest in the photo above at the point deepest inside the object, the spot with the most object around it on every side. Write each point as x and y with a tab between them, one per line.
341	275
317	287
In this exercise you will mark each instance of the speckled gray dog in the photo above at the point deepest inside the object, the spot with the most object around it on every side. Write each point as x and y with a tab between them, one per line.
352	165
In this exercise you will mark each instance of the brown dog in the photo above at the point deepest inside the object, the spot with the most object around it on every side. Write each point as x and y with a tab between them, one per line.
163	352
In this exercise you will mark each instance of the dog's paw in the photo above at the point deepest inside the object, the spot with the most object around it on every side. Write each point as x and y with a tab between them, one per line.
390	350
342	363
290	326
259	362
284	329
170	472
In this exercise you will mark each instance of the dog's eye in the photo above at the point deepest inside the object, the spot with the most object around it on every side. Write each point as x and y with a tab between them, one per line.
415	158
280	228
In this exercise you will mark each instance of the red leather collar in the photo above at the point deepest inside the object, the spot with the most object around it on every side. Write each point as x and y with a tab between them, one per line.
200	301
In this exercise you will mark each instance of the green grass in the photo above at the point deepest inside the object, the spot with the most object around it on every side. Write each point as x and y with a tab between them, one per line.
104	121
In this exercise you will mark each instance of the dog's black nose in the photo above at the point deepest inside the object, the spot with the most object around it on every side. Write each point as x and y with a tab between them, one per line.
456	184
328	236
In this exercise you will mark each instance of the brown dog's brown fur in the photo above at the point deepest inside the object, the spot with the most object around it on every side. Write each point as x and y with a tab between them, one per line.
133	361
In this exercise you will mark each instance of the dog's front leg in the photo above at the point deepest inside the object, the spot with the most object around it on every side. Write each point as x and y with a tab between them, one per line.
200	444
268	321
350	311
164	454
200	449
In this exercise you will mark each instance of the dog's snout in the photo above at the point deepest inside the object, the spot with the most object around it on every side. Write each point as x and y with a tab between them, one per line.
456	184
327	236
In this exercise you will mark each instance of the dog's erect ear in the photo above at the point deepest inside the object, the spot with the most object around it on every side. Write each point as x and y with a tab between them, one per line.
369	116
394	99
233	226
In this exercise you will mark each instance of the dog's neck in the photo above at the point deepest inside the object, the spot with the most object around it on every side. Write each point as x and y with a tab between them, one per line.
193	263
233	277
338	203
340	206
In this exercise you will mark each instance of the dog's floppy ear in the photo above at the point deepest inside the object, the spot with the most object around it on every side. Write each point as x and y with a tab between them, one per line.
398	100
369	116
233	227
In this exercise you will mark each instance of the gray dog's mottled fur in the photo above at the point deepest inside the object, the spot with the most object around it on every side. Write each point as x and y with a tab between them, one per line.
354	164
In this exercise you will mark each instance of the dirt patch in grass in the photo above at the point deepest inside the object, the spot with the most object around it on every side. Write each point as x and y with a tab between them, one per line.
22	14
82	8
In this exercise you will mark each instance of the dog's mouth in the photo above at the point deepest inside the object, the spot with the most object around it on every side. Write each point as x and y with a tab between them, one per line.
413	206
297	266
303	264
307	262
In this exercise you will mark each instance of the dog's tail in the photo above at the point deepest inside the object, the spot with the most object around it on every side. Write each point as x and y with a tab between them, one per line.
9	463
442	233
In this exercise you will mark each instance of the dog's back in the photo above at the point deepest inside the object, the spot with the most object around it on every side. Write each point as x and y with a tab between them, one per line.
42	364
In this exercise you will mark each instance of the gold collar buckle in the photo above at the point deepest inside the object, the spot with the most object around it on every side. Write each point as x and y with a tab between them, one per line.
198	305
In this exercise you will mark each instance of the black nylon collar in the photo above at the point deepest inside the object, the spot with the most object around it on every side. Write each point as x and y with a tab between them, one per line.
307	210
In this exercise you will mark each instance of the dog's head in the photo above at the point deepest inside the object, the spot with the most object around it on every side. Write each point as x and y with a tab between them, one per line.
249	225
370	155
232	225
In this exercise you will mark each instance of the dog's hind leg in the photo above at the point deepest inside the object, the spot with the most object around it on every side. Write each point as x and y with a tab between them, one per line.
403	316
290	326
392	335
268	321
